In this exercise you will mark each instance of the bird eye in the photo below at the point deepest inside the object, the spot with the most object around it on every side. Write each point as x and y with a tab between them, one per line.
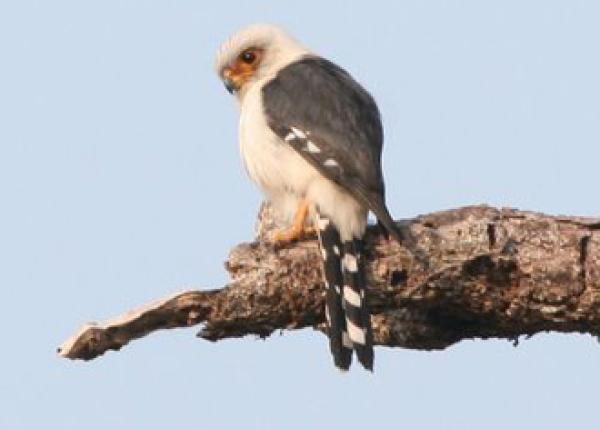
248	57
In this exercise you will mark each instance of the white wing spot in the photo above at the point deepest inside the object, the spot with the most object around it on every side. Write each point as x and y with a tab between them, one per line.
352	297
330	162
311	147
290	137
299	133
349	262
336	250
357	334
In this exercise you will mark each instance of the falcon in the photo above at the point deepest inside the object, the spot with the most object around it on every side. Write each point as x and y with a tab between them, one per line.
311	137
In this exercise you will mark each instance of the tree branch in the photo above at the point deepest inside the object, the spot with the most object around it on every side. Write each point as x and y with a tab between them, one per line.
481	272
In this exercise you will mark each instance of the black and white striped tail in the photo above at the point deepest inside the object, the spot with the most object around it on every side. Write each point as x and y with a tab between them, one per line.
358	320
346	308
331	250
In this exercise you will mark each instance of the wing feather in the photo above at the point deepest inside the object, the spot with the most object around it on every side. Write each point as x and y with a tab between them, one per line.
333	123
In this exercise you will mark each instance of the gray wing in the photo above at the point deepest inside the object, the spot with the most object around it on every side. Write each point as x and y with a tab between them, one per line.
332	122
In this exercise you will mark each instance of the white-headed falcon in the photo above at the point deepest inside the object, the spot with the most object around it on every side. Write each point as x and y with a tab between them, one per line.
311	138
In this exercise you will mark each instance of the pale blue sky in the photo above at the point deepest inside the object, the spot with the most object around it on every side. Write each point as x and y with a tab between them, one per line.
120	182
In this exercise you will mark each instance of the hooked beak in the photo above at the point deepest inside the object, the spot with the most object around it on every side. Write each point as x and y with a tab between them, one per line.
229	85
229	80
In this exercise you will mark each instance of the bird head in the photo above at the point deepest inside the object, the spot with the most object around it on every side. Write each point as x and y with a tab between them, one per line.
255	53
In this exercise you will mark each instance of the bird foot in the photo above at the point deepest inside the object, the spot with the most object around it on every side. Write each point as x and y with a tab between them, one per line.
292	234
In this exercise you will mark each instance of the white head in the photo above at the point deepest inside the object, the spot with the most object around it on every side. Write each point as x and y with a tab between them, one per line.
255	53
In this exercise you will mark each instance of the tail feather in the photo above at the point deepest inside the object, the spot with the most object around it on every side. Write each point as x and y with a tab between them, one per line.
346	307
385	219
358	320
331	249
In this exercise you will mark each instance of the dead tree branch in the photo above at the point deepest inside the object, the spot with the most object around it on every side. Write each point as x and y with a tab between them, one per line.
482	272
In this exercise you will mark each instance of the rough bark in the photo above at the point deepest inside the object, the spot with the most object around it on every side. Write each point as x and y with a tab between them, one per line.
473	272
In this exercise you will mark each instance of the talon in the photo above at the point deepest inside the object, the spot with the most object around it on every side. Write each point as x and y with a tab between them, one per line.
309	231
298	230
282	237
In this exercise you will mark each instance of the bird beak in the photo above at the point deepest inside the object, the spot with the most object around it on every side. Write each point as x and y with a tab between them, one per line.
229	81
229	85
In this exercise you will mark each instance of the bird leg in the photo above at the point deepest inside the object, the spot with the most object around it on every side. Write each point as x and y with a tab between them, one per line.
298	229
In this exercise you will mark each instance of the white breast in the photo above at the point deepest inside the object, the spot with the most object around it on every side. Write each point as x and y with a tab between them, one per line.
282	174
286	178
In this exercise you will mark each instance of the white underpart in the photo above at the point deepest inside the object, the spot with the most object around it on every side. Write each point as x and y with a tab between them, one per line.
282	174
286	178
357	334
352	297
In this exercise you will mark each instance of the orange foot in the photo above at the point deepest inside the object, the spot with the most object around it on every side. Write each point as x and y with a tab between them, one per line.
297	230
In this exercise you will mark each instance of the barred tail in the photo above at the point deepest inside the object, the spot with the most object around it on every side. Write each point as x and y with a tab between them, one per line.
346	308
331	249
358	319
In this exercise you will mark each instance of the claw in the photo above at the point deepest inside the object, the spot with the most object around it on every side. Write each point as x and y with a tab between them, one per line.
298	230
282	237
